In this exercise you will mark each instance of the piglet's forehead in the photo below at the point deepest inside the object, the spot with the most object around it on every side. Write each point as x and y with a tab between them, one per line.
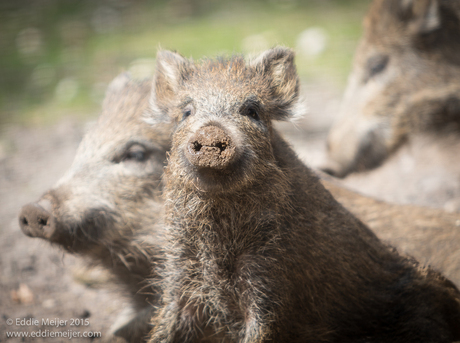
230	74
217	100
218	89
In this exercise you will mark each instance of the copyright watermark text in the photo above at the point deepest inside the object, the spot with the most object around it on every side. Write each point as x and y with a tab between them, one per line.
54	322
49	328
69	334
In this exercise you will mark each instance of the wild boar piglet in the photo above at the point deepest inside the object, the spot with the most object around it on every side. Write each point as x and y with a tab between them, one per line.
257	249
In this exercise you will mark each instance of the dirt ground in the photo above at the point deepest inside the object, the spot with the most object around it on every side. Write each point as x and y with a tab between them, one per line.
43	283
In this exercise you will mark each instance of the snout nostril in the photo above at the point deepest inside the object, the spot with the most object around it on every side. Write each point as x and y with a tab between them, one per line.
42	221
24	221
196	146
221	146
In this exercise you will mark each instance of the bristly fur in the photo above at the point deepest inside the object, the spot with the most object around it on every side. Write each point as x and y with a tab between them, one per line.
261	252
107	207
431	235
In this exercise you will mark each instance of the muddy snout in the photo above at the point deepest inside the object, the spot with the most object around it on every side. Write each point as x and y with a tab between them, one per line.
36	219
211	147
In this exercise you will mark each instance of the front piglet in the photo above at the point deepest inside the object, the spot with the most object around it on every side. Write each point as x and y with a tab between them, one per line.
257	249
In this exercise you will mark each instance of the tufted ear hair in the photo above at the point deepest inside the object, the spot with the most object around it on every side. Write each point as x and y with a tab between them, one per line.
119	83
421	16
116	86
277	67
171	70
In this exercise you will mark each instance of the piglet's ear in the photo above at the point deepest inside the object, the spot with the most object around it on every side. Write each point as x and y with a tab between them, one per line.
277	67
423	16
116	87
119	83
171	70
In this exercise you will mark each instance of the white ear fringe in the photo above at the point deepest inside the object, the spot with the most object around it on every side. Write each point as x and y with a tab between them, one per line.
432	20
119	82
299	109
154	115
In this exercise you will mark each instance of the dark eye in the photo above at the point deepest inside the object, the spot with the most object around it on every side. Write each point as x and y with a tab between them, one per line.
252	112
377	64
187	111
136	153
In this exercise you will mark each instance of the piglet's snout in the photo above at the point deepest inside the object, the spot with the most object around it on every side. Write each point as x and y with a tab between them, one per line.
211	147
36	219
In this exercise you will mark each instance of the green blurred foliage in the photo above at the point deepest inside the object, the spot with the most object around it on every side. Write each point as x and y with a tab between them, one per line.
59	55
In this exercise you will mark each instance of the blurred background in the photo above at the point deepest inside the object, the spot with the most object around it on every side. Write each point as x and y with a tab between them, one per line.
57	56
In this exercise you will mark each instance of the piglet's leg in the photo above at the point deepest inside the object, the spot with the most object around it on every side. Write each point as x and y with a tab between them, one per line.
178	322
257	328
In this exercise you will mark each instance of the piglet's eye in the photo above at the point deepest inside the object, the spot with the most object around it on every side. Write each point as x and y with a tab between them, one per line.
377	64
187	111
136	153
251	112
